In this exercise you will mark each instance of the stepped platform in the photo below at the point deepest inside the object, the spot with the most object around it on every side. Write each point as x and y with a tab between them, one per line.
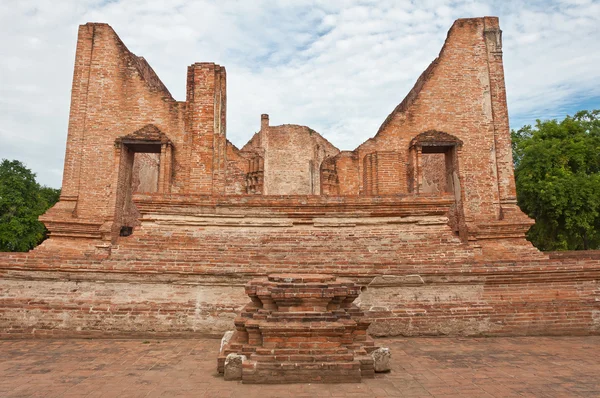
269	234
183	270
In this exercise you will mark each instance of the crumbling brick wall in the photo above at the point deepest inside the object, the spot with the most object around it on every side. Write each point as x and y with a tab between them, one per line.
109	84
461	93
292	158
454	95
238	167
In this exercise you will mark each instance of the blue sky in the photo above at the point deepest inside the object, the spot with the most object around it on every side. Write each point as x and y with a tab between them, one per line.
339	67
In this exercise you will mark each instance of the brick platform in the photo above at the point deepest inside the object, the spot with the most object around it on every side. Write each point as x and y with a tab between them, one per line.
301	328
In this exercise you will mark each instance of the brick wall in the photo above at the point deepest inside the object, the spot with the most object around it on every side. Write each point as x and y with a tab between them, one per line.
107	76
461	93
109	85
238	167
292	158
384	173
126	305
479	299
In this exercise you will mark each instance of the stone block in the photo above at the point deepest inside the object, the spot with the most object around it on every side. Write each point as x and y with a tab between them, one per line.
233	366
225	340
381	359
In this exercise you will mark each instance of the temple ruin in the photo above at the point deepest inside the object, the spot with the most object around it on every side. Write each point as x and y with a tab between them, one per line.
162	221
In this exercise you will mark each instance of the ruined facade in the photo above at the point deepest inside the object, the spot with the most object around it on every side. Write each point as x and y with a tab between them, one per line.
161	220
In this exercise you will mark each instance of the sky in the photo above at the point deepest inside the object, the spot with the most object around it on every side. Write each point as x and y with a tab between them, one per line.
338	66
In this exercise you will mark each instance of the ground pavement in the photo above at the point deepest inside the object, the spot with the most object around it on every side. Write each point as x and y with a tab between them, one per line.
421	367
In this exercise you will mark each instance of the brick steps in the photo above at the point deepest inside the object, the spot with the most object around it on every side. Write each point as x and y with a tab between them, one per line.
304	358
301	351
316	247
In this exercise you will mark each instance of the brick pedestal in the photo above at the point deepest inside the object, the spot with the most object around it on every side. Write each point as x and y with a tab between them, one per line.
301	329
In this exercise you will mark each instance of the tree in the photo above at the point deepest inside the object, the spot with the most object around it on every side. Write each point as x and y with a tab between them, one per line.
22	201
557	171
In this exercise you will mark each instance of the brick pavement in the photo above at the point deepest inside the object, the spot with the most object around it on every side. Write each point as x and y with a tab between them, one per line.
422	367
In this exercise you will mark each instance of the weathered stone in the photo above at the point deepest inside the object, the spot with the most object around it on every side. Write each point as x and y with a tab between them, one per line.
225	340
381	359
233	366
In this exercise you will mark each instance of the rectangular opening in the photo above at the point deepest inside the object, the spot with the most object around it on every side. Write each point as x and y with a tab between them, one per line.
436	169
139	173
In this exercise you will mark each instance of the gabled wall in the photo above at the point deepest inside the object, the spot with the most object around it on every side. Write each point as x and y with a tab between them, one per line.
453	95
461	93
114	94
106	78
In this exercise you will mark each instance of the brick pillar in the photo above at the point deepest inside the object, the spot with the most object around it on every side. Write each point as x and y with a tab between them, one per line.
264	121
168	167
504	161
206	125
77	117
161	168
219	140
418	169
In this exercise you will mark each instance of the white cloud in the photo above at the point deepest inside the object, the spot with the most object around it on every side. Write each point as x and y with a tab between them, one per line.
338	67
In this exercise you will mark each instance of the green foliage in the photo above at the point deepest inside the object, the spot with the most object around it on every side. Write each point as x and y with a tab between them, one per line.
557	171
22	200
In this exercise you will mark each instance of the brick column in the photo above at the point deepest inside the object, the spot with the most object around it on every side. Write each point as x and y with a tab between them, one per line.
504	161
77	116
206	124
418	169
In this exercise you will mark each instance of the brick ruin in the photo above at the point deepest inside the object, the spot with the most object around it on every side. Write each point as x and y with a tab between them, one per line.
299	328
162	221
